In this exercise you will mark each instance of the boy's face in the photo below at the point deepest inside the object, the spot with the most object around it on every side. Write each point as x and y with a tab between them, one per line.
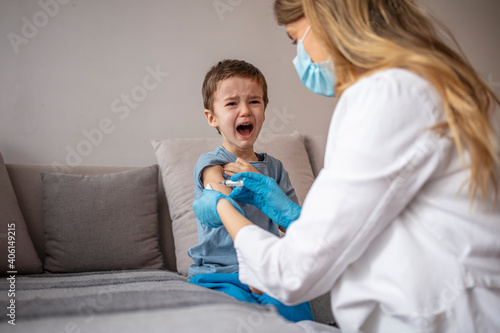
238	112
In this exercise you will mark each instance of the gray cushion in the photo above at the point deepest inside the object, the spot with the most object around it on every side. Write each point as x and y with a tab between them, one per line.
315	145
25	259
101	222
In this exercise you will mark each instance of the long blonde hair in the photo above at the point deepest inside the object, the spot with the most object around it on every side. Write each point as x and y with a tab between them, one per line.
365	36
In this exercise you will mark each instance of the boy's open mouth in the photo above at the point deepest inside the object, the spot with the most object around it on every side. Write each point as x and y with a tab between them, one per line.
245	130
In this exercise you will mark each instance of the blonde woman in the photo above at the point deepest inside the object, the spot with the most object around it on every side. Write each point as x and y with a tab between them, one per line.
402	225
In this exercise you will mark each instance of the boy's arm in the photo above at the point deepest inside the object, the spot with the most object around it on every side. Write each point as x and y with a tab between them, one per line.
213	175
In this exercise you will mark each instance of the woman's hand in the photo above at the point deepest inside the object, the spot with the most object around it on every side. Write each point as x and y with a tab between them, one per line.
205	208
264	193
238	167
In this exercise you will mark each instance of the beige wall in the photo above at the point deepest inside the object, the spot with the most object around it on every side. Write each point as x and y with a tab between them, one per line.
92	82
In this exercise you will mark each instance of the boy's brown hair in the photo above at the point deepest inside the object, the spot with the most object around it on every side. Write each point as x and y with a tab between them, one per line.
226	69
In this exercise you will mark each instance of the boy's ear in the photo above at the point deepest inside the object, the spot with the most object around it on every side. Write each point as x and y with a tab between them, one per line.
211	118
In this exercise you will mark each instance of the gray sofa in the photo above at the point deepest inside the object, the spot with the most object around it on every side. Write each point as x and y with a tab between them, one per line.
100	249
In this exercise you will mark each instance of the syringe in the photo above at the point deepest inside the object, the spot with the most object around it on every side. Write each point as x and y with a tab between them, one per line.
232	183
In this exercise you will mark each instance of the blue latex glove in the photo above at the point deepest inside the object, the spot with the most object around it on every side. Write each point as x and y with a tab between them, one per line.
205	208
264	193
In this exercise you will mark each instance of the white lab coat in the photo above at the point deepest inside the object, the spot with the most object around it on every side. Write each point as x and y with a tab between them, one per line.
384	226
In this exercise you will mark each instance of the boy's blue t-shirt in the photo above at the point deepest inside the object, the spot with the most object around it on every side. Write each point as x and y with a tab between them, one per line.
215	251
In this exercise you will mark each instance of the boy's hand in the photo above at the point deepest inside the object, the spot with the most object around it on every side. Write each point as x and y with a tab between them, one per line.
238	167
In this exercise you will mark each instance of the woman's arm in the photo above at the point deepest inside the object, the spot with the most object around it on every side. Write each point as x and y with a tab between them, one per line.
231	218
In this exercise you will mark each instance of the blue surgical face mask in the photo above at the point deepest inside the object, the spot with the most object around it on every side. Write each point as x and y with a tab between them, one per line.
317	77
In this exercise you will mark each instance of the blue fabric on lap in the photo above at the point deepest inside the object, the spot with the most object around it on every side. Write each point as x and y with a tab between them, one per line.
230	284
